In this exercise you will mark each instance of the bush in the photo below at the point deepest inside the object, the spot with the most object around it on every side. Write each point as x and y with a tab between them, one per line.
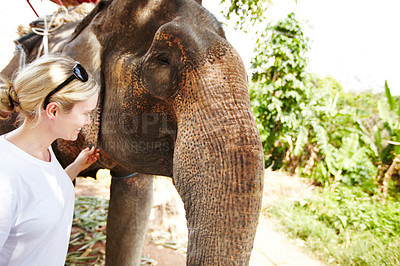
345	226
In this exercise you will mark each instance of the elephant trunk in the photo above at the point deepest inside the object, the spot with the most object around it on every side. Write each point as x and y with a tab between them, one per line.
218	169
222	209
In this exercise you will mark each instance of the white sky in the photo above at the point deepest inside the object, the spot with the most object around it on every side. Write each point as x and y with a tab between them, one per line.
12	14
355	41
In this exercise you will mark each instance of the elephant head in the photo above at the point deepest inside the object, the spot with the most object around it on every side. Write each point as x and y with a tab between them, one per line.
175	102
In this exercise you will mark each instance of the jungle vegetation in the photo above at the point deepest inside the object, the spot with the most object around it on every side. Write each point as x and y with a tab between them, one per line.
347	143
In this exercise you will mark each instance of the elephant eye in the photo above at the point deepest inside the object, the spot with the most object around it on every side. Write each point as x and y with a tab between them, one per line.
159	75
163	60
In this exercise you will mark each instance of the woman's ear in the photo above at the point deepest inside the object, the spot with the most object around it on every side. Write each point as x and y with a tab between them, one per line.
51	110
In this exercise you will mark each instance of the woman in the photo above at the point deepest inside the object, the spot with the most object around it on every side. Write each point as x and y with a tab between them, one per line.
54	97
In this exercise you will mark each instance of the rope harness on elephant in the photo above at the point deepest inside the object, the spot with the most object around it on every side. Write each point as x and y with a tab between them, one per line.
47	29
46	26
124	177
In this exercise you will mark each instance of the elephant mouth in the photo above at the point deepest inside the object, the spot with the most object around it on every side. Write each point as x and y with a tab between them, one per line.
144	156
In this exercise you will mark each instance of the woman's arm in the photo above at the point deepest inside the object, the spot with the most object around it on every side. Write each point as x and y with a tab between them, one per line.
85	159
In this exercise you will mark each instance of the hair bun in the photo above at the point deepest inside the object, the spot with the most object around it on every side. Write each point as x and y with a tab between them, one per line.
12	95
11	99
7	98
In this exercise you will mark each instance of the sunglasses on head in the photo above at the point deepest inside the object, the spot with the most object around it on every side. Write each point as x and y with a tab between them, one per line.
78	72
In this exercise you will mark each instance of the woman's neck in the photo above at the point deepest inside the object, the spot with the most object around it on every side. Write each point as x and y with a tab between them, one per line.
33	139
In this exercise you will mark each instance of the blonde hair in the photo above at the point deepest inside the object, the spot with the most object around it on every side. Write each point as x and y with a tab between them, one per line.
26	94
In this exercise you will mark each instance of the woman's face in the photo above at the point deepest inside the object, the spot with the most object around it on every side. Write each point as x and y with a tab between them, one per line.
69	124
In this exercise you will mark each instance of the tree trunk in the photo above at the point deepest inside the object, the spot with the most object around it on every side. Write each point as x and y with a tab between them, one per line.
388	175
311	161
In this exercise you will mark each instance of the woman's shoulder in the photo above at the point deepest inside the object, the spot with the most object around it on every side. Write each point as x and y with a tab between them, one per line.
5	154
8	162
3	147
8	178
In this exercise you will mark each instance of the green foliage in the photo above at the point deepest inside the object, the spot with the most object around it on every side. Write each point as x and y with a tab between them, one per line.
246	12
309	124
346	151
296	112
389	127
281	53
278	88
345	226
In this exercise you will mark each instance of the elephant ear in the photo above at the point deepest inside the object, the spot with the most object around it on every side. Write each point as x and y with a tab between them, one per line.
84	45
85	48
99	8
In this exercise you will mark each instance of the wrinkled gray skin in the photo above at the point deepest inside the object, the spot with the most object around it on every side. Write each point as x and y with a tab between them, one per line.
174	102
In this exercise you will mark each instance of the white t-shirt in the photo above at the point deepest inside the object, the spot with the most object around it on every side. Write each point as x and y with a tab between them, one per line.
36	208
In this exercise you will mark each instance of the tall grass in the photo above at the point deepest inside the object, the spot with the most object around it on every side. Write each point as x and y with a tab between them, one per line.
344	226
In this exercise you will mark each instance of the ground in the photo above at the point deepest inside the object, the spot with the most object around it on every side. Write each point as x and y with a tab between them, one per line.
271	246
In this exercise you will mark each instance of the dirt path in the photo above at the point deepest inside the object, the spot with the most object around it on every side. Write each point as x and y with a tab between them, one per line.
271	247
274	248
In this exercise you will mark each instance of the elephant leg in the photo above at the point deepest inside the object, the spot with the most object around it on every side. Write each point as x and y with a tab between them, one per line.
128	216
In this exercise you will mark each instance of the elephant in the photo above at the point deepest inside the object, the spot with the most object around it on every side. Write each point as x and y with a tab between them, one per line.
174	102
